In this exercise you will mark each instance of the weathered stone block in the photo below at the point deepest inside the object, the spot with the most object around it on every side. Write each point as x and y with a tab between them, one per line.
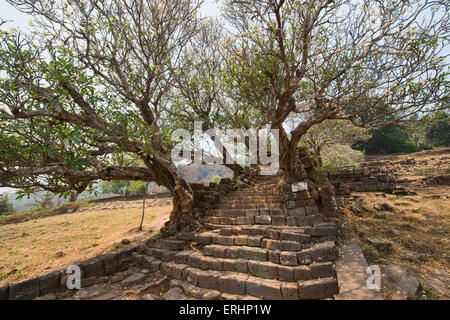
273	234
302	273
203	238
262	269
263	220
289	291
265	289
318	289
241	240
92	268
224	240
274	256
290	246
285	273
26	290
323	252
186	236
233	284
241	265
209	279
288	258
304	257
314	219
291	221
271	244
253	254
4	293
322	270
296	212
278	220
255	241
49	283
181	257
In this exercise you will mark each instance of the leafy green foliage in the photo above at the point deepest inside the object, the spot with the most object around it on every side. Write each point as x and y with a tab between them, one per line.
388	139
438	129
338	156
6	207
124	188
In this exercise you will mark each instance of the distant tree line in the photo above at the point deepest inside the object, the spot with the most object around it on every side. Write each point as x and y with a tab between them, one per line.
431	132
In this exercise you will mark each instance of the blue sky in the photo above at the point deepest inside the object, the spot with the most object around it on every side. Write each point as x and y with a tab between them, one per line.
20	20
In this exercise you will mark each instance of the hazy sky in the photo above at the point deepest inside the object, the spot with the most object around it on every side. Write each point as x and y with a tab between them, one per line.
20	20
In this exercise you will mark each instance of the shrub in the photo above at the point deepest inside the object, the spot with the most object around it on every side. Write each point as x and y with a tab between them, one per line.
6	207
340	155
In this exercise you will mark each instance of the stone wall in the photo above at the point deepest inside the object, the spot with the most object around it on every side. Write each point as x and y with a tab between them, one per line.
160	195
92	270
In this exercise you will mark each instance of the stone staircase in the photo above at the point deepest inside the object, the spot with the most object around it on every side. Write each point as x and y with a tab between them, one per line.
258	242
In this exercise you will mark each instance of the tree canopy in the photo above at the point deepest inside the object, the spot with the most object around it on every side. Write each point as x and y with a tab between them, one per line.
100	82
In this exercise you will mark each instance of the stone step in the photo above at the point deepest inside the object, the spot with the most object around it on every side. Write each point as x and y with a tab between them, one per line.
167	244
326	231
302	242
235	213
255	198
249	205
238	283
276	220
262	269
321	252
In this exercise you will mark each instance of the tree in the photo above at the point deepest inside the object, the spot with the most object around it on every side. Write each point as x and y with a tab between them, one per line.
44	201
216	179
438	129
6	208
371	62
98	82
90	89
388	139
124	188
330	133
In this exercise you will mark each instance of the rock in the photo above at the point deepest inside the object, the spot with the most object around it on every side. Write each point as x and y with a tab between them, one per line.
4	293
356	211
439	231
395	272
117	278
408	285
89	292
59	254
174	294
145	271
49	296
49	283
437	285
413	256
133	279
387	207
106	296
92	268
26	290
381	245
147	297
174	283
110	262
87	282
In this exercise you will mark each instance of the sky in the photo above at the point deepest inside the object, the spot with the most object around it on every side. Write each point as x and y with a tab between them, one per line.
20	20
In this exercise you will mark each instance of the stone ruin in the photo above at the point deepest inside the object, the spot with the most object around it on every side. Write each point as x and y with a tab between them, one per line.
261	237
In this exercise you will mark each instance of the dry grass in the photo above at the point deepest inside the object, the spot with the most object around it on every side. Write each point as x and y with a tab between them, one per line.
418	228
47	244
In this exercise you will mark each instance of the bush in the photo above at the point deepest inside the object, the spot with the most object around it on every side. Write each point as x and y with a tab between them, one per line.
6	207
337	156
387	140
